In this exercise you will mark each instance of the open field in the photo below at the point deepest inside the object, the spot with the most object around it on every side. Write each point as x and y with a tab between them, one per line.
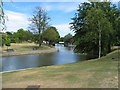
102	73
24	47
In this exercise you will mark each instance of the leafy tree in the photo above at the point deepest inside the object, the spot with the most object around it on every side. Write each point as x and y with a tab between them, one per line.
2	39
80	25
61	39
68	39
98	29
39	23
21	35
7	42
51	34
35	38
9	33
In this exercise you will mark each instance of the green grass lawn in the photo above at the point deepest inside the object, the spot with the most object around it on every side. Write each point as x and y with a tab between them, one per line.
102	73
25	46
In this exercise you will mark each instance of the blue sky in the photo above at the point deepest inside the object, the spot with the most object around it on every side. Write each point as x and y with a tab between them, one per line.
60	13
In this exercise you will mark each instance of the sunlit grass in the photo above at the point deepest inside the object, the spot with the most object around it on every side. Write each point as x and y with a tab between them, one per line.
25	47
96	73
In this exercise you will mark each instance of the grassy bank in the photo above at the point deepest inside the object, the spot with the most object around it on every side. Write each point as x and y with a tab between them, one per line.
102	73
24	47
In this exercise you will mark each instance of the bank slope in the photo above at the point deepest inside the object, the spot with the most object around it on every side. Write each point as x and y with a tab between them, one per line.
102	73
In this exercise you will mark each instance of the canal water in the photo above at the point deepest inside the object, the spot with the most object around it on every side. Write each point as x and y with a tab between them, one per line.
63	56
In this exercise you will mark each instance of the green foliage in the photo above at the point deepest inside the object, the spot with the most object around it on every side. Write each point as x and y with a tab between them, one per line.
7	42
8	33
21	35
51	34
61	39
1	44
36	38
96	23
17	37
91	20
68	39
2	39
39	23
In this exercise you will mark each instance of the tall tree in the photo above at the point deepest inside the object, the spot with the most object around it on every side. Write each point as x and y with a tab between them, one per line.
39	23
51	34
98	30
79	24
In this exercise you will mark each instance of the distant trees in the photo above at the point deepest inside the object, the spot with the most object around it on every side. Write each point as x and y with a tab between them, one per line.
51	35
68	39
96	27
61	39
22	35
16	37
39	23
2	39
7	42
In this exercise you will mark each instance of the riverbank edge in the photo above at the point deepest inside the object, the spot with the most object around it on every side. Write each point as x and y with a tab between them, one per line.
109	54
7	54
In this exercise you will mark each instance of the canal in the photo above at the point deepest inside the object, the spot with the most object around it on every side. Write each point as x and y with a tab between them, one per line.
63	56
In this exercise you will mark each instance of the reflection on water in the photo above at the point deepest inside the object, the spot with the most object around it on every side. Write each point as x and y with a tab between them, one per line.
63	56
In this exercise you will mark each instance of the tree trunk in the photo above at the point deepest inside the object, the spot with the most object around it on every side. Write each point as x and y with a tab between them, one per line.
99	40
40	40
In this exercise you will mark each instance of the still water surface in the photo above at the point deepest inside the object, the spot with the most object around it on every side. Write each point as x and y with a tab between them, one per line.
63	56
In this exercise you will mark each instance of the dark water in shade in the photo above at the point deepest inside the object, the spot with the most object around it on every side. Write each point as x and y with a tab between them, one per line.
63	56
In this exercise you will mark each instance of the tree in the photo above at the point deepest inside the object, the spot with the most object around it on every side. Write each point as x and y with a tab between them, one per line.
3	37
61	39
35	38
39	23
98	30
51	34
9	33
68	39
21	35
7	42
80	26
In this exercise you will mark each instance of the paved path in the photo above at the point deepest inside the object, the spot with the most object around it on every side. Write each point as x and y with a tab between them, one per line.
28	52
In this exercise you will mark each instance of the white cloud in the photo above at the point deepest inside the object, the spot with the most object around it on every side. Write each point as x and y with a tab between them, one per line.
63	29
16	21
20	20
65	7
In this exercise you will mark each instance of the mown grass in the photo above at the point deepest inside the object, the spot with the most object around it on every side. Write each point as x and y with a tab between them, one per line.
25	47
96	73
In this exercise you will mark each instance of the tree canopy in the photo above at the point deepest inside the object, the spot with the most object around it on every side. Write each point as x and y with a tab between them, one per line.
22	35
95	23
39	23
51	34
68	39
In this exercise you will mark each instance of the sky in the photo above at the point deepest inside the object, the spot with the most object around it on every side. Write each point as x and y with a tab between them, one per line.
18	14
